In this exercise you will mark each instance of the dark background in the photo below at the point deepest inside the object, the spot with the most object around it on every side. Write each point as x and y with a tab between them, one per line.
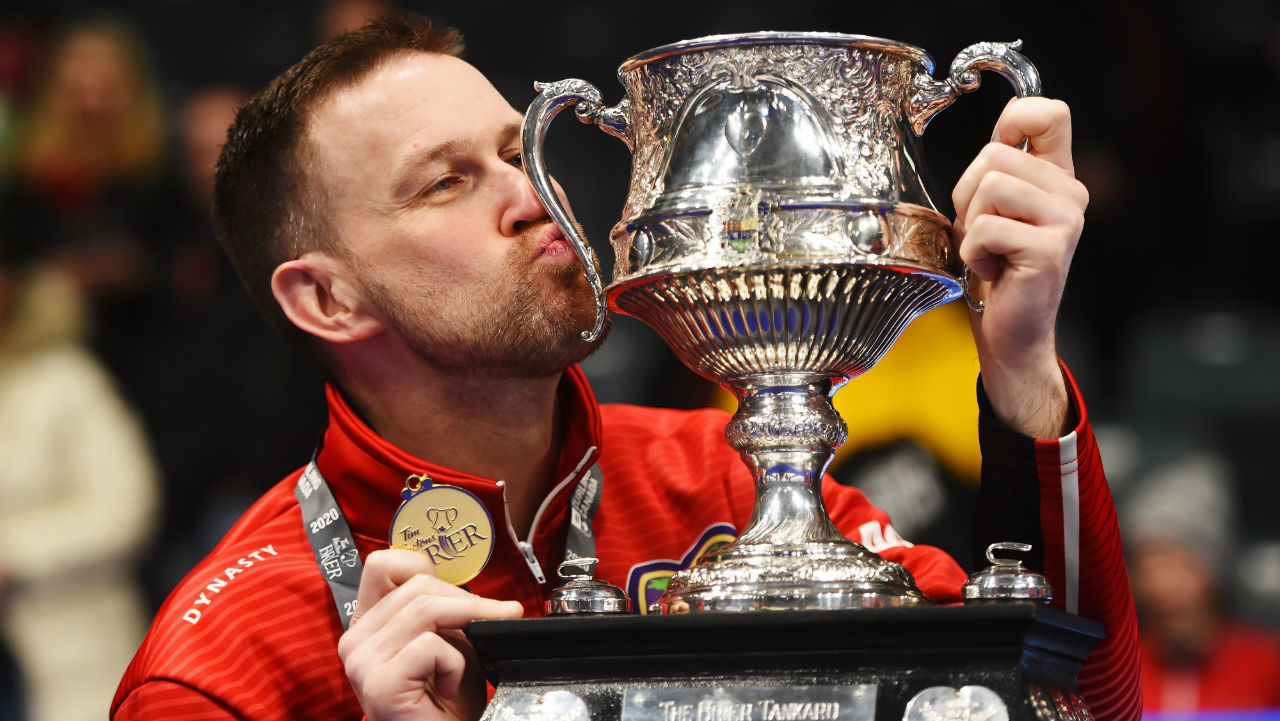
1169	316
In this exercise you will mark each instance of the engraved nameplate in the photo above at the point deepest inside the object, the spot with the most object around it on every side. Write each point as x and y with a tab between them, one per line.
754	703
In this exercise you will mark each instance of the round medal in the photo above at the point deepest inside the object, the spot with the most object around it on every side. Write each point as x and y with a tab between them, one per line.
447	523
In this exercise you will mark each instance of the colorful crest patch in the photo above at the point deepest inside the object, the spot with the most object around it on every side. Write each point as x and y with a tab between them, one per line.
648	581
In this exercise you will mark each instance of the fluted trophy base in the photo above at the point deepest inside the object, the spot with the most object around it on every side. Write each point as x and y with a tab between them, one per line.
818	576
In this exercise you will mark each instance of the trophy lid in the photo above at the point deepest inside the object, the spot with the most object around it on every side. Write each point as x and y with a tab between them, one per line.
582	594
1006	580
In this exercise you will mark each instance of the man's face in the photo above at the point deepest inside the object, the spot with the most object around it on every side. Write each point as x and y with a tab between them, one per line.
439	228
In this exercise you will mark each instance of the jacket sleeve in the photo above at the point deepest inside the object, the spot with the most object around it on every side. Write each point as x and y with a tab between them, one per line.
1053	494
171	700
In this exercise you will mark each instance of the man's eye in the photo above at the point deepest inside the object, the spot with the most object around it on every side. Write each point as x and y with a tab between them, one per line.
517	160
443	184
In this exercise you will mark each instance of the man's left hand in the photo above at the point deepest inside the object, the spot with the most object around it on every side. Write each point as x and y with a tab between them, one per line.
1018	218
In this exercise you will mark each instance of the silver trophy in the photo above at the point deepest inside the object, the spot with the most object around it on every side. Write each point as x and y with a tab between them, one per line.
779	238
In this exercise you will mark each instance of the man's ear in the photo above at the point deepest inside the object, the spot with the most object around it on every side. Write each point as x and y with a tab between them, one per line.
316	295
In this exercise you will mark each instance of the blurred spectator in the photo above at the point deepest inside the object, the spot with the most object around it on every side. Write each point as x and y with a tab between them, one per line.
88	148
1195	656
89	152
79	494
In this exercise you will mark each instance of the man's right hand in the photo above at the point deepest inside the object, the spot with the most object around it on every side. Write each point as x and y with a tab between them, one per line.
405	653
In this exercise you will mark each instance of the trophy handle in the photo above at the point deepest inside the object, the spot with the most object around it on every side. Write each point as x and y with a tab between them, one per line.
551	99
931	96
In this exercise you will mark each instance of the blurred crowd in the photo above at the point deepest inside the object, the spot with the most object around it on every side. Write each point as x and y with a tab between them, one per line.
144	403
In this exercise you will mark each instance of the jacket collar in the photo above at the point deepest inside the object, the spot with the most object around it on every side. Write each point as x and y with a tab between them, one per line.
367	473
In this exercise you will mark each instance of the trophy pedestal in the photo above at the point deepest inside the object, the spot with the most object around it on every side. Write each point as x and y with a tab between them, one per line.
1014	660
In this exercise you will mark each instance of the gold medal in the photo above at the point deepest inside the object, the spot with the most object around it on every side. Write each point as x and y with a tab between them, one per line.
448	524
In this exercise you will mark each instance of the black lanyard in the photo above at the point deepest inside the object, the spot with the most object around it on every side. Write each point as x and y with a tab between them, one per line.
339	561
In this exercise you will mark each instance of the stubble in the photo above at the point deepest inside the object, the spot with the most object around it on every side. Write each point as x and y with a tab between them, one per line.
526	323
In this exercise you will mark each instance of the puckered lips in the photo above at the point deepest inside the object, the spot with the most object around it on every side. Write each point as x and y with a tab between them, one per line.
551	244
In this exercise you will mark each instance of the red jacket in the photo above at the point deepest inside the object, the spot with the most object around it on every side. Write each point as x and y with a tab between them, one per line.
252	632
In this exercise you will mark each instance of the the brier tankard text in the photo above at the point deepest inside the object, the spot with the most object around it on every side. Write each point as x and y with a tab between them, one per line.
778	236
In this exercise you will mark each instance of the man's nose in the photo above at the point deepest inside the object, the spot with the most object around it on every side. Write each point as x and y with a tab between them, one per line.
522	206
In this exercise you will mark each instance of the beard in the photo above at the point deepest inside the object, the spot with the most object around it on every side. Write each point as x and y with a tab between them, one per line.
526	322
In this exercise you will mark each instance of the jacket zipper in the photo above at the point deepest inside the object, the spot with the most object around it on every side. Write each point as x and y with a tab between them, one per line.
526	546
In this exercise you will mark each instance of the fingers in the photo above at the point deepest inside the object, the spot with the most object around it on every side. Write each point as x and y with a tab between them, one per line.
405	650
386	570
1002	159
1022	210
998	243
422	605
1044	122
434	656
1011	196
1018	219
395	660
387	688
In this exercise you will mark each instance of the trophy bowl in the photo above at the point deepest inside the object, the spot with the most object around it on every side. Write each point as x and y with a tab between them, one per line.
778	236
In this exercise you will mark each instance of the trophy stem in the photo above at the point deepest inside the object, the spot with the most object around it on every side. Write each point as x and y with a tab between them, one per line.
790	556
787	431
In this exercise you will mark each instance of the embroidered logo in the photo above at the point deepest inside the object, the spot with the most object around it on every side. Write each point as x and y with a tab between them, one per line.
647	581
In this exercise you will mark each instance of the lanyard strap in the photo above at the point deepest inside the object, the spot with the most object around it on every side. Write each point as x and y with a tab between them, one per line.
331	540
580	541
339	561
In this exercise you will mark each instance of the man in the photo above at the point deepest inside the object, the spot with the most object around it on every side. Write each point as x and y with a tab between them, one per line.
372	199
1197	653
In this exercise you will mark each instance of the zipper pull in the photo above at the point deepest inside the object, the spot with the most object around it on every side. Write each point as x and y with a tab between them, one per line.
531	560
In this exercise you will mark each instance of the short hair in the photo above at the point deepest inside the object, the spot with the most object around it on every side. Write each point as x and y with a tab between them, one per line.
268	205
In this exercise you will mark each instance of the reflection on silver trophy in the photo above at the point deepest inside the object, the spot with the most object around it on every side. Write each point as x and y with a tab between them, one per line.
779	238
